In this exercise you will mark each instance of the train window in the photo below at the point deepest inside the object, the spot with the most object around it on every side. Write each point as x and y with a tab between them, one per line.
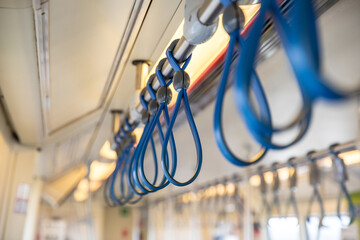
284	228
288	228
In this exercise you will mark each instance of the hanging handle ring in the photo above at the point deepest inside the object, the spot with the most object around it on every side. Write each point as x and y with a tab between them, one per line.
181	82
155	111
162	98
275	189
245	74
233	22
341	176
314	179
292	183
125	190
118	169
134	166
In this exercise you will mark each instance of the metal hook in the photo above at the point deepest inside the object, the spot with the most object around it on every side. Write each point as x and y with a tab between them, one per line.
315	182
341	176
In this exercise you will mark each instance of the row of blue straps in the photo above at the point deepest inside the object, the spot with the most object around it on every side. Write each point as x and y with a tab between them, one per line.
298	34
130	168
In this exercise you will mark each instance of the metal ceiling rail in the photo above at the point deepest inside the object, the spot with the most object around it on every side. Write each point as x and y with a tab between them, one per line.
341	148
296	161
208	15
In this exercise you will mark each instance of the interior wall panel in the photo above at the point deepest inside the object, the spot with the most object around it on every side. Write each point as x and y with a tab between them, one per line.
19	73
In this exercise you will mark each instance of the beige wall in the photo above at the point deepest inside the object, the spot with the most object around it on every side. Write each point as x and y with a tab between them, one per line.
116	223
16	166
84	220
24	163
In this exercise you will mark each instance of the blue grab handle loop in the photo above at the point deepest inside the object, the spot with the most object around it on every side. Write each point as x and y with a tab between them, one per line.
314	175
137	162
341	176
160	76
142	100
164	165
150	89
245	73
291	202
139	165
135	169
173	62
300	41
112	183
128	197
263	106
121	167
181	96
132	174
119	164
226	3
108	201
155	121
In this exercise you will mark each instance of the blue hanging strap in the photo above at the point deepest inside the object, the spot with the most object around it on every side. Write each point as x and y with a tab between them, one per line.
122	164
138	176
119	164
226	3
181	82
173	62
135	166
256	86
261	129
142	100
341	176
292	186
149	87
162	80
127	194
155	121
300	41
314	179
107	197
133	177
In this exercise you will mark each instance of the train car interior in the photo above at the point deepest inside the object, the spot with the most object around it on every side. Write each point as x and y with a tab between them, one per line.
131	120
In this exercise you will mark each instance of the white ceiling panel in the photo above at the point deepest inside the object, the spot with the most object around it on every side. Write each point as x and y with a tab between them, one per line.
15	4
19	80
64	154
154	28
162	20
153	38
84	37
